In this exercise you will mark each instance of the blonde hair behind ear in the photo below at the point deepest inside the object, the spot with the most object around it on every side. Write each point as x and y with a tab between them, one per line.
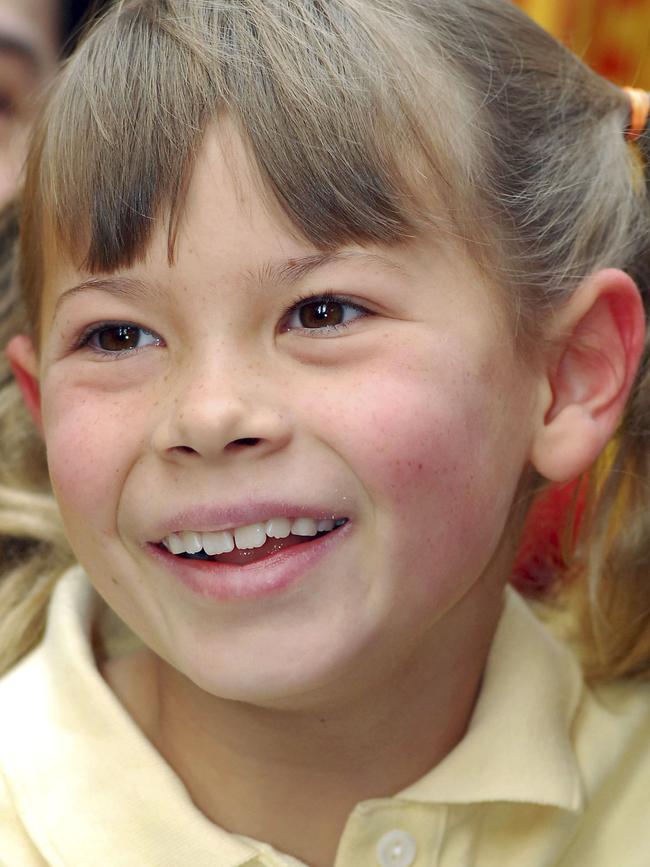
608	584
611	581
33	548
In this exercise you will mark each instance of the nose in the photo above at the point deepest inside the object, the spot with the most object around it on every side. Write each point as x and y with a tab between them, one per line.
221	411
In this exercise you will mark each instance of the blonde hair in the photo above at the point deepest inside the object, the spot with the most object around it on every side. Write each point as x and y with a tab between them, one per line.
33	548
368	120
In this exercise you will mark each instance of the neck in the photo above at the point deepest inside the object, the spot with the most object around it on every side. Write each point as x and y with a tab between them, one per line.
291	777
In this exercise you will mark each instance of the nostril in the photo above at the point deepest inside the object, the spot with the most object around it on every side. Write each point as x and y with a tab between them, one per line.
245	441
184	450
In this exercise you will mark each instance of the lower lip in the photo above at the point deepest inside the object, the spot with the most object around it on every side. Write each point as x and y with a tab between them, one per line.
272	575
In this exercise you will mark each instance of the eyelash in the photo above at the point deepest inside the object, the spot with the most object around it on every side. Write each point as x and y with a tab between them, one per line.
84	340
324	297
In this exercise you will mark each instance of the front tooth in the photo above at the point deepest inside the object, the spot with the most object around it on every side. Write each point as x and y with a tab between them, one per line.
191	542
174	543
252	536
325	525
218	543
278	528
304	527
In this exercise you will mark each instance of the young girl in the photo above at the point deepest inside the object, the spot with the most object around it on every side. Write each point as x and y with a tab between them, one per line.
312	297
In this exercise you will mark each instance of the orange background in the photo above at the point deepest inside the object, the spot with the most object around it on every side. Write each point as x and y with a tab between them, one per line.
613	36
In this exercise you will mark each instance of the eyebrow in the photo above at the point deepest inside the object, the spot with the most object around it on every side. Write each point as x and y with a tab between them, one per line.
129	288
287	273
292	270
15	46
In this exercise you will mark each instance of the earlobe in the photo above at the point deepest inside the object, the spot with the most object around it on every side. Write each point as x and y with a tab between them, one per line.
600	334
23	361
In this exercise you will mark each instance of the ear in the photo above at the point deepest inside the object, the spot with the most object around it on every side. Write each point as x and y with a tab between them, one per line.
600	336
23	361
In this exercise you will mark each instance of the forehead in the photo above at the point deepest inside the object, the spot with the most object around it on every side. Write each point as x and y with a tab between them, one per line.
35	22
37	13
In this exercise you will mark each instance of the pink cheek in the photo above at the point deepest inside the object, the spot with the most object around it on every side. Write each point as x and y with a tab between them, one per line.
84	448
426	455
408	442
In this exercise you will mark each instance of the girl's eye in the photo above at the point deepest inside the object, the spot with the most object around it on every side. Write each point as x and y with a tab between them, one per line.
322	313
7	105
119	338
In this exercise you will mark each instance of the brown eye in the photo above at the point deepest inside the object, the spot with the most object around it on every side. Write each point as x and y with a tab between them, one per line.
316	314
119	338
323	315
7	105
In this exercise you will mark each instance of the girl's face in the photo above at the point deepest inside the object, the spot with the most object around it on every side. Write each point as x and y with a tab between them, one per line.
257	379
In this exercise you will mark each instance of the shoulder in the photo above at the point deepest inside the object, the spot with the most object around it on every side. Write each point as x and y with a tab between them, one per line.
16	846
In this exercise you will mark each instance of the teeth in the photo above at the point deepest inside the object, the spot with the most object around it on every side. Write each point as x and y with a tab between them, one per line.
278	528
175	544
251	536
304	527
192	542
217	543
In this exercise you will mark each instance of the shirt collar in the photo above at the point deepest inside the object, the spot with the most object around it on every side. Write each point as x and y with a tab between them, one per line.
518	744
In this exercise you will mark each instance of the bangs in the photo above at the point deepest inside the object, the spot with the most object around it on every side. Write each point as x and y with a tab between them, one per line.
349	135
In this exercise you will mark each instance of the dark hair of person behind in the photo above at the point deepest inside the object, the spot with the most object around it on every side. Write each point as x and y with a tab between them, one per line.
75	14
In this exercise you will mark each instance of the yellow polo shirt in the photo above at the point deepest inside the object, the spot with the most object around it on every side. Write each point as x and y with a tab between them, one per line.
549	774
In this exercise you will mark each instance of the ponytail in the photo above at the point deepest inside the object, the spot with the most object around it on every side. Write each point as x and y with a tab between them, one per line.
33	549
609	573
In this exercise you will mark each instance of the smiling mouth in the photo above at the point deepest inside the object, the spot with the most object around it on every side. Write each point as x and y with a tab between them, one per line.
249	544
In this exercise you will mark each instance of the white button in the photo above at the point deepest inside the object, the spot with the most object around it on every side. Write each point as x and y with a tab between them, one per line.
396	849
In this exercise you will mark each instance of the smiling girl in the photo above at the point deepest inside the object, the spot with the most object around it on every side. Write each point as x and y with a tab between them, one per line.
312	298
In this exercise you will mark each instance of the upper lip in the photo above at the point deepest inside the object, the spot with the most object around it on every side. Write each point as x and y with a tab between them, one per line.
208	519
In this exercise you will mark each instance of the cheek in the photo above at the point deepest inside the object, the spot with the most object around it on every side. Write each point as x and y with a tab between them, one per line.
439	450
89	445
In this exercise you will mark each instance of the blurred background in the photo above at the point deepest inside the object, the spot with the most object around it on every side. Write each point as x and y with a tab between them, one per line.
34	34
612	36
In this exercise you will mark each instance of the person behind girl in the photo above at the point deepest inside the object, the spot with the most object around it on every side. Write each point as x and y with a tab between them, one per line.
312	298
